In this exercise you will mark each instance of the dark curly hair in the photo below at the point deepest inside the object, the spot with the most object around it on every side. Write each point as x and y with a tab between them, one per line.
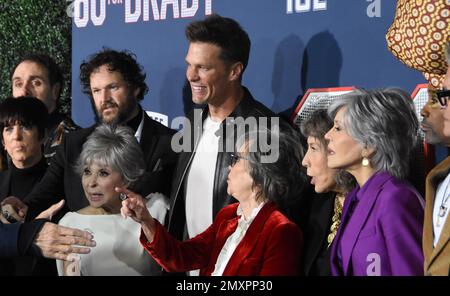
123	62
224	32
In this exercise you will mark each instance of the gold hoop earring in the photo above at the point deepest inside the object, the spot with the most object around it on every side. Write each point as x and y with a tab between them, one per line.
365	161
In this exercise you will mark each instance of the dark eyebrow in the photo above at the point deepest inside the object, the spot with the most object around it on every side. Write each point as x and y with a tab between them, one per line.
31	77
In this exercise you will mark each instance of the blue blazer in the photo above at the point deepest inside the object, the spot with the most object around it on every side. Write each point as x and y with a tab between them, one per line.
17	239
9	234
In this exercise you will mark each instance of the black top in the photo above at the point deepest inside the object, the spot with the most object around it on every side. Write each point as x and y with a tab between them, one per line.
22	181
19	182
316	255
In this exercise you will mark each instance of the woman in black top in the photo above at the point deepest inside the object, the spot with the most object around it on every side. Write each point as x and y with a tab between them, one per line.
325	208
23	122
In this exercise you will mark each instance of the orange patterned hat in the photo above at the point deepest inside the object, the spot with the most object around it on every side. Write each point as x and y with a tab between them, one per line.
419	34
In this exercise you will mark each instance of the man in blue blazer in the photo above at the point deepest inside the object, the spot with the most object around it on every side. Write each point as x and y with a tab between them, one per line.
42	238
8	244
32	239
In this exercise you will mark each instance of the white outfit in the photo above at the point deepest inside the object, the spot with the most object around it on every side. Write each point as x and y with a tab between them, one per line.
200	182
118	250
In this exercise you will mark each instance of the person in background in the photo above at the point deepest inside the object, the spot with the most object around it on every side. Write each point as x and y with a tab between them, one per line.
373	134
433	121
111	157
38	75
325	209
115	83
436	231
251	237
41	238
23	123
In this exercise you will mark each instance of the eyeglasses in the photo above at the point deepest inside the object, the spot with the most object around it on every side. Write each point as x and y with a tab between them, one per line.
235	158
443	95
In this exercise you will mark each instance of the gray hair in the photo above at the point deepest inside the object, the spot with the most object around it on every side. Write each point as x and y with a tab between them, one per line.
283	179
116	147
384	120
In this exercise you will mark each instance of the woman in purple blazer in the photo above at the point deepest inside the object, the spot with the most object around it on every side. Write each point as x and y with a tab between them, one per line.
381	231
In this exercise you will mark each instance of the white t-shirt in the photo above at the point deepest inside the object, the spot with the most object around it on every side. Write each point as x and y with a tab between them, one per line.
118	250
200	181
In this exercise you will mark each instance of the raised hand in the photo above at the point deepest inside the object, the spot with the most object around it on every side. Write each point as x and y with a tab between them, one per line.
134	206
51	211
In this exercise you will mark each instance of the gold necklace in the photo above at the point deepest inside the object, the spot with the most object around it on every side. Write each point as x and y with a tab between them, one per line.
336	219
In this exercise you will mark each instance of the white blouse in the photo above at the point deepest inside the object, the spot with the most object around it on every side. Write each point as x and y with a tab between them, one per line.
233	240
118	250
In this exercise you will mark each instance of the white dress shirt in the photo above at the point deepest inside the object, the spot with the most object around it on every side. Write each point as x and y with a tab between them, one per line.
442	193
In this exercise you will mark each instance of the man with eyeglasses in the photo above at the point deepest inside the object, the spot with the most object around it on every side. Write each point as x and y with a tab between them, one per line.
436	234
433	119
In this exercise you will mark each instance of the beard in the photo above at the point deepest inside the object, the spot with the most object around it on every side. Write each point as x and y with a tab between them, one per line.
123	113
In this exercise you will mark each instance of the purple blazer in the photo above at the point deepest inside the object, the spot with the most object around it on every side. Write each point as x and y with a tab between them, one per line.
383	236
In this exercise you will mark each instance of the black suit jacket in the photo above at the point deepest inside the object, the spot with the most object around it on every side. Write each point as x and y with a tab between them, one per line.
316	255
5	178
61	180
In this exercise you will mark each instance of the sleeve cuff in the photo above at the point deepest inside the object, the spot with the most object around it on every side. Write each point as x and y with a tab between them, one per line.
27	234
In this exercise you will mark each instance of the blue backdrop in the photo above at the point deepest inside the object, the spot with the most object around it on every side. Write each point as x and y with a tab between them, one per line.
296	45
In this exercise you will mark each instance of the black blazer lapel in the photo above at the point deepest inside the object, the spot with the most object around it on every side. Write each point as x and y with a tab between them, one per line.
148	140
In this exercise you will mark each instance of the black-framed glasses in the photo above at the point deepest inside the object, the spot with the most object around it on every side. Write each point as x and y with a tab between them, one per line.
235	158
443	95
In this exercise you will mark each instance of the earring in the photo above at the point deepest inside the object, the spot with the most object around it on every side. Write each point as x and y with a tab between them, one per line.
365	161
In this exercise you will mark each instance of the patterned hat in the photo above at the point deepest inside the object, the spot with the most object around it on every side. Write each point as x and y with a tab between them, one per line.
419	34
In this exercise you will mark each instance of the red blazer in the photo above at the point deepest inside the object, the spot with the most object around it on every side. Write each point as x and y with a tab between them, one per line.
271	246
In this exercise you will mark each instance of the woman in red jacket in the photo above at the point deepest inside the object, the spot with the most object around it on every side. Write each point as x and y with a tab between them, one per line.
251	237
